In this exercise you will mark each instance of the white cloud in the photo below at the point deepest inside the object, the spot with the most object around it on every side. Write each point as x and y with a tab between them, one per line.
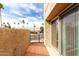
16	12
32	19
15	8
31	6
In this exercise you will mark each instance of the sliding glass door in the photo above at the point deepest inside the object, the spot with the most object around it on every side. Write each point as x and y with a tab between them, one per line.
70	33
77	31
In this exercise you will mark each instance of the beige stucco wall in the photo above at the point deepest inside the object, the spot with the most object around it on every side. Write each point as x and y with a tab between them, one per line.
48	32
14	41
48	8
48	40
47	27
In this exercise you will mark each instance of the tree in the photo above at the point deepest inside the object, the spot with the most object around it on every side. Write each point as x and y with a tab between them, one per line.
7	22
18	23
34	27
27	24
23	22
41	29
1	6
8	25
3	24
42	24
14	24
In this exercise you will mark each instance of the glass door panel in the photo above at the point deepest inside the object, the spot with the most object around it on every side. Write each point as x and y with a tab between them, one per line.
69	33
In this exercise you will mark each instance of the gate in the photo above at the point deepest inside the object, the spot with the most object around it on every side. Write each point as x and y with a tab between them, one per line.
37	37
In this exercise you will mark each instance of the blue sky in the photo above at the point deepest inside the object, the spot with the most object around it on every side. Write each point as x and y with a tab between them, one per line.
30	12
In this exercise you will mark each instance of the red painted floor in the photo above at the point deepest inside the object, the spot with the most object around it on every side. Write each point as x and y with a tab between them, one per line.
36	49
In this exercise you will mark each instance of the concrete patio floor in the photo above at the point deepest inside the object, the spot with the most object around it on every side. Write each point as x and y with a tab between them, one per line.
36	49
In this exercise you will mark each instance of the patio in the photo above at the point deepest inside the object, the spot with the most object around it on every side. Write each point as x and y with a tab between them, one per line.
36	49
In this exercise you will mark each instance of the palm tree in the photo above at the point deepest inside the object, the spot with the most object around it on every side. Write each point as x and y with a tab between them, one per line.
34	27
27	24
18	23
23	23
42	24
1	6
14	24
34	30
7	22
41	29
3	24
9	26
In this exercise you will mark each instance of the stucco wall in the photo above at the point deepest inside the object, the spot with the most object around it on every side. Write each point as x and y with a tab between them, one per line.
47	34
48	7
14	41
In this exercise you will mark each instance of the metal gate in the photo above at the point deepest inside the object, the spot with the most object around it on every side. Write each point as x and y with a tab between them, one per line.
38	37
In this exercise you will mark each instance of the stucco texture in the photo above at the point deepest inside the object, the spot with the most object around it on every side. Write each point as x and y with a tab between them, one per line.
14	41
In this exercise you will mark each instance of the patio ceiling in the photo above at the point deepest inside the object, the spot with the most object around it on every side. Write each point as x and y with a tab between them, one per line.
57	10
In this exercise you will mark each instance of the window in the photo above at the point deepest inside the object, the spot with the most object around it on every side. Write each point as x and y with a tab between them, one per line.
55	34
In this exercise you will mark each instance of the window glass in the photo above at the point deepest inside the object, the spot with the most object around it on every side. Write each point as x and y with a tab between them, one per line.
70	32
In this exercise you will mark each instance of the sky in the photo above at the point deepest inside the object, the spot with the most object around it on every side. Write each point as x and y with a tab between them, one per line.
31	13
